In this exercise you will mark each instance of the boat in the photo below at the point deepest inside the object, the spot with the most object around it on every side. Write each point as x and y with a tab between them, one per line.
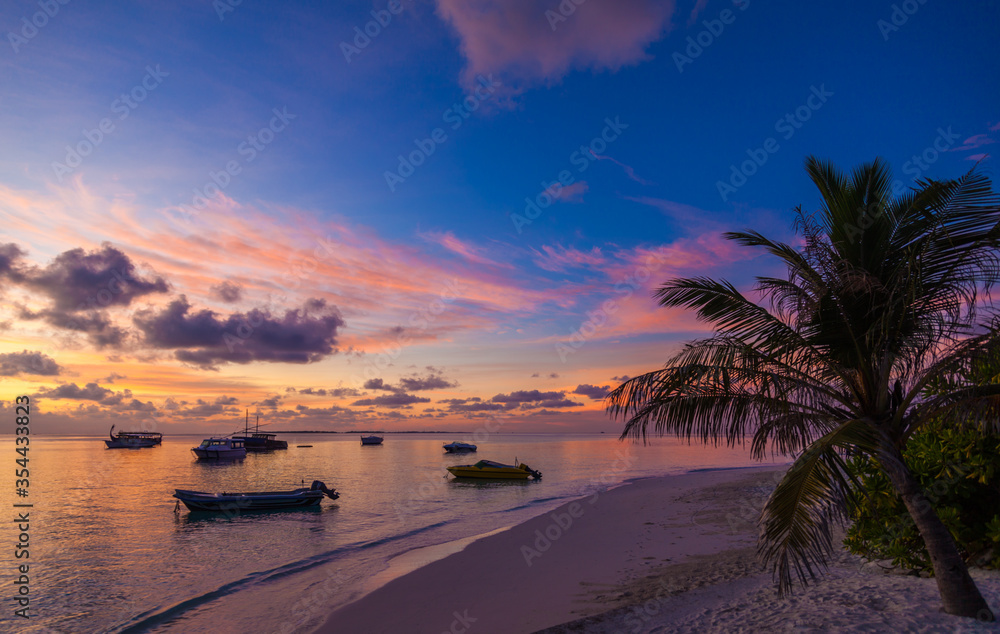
258	440
371	440
220	449
255	500
133	439
459	447
495	470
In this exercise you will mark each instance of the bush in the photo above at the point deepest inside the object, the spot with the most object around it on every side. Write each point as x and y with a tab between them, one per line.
959	470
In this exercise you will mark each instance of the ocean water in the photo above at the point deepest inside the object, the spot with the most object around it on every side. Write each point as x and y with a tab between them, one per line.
110	552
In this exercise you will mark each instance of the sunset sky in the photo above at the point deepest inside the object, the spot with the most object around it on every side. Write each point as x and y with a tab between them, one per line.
404	216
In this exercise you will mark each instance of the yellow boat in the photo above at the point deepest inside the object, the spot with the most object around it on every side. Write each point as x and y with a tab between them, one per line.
495	470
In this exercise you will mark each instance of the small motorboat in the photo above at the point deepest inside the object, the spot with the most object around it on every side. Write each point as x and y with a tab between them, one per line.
220	449
495	470
133	439
459	447
371	440
256	500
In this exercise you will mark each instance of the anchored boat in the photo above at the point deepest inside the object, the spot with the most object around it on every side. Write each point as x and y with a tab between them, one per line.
133	439
255	500
220	449
371	440
459	447
495	470
258	440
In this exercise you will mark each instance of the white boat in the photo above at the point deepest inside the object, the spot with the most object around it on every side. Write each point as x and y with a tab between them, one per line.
220	449
459	447
133	439
371	440
255	500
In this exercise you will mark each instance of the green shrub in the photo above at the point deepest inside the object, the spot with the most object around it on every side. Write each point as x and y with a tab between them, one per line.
959	469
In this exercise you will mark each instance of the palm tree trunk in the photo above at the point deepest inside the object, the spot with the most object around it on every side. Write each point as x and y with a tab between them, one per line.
958	591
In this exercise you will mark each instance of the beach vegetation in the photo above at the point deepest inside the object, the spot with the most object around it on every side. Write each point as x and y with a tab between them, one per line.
886	293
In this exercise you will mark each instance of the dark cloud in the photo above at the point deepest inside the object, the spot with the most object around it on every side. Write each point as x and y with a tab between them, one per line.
621	379
226	400
475	404
77	280
313	392
553	375
203	338
95	324
25	362
341	392
527	396
592	391
531	399
227	292
377	384
114	376
89	392
273	403
431	382
396	399
10	262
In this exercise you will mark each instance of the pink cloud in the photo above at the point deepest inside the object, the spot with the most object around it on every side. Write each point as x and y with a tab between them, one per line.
521	40
560	258
995	127
976	157
973	142
698	7
572	193
464	249
628	170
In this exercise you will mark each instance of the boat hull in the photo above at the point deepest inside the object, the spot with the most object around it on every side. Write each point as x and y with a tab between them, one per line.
129	443
262	501
487	469
371	440
219	454
459	448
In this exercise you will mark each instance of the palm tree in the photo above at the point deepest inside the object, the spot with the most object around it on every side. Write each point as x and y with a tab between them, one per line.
883	297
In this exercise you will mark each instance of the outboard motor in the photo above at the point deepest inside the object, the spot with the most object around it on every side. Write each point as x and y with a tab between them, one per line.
319	486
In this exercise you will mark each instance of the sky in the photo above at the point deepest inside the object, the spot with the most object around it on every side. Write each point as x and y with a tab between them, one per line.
426	214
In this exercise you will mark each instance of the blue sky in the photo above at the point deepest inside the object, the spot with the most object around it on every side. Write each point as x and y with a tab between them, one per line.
496	99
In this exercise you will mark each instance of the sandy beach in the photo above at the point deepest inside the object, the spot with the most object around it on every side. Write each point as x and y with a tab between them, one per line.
670	554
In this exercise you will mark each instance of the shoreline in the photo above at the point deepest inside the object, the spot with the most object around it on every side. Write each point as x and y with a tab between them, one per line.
529	577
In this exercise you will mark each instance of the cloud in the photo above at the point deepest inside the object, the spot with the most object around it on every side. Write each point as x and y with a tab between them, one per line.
227	292
377	384
572	193
202	338
313	392
430	382
10	261
464	249
621	379
77	280
474	404
559	258
698	7
95	324
90	392
25	362
628	170
396	399
530	399
529	42
592	391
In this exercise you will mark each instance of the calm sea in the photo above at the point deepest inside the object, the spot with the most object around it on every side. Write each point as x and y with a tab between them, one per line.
109	551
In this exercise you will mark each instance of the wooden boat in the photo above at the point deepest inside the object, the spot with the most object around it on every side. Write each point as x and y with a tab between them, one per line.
255	500
133	439
495	470
371	440
220	449
459	447
258	440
